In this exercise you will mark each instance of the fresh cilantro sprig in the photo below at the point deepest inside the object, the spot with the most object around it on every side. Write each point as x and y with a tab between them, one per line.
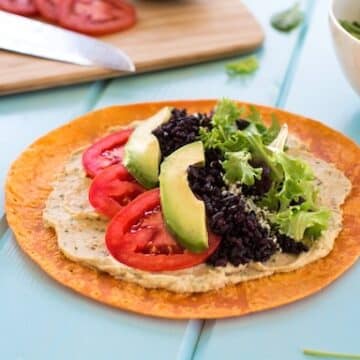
289	19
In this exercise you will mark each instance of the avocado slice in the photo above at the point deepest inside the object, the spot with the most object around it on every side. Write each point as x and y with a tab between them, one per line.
183	213
142	151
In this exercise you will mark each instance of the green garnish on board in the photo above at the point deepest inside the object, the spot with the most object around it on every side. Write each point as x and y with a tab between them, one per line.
244	66
291	200
352	27
289	19
332	355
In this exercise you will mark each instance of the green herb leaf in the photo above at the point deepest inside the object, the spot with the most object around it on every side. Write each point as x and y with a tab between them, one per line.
226	113
330	354
255	116
291	200
238	169
278	143
301	224
351	27
223	135
297	183
289	19
260	152
271	134
246	65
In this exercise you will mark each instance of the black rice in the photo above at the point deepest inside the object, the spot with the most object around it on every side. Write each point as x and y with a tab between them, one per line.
244	239
180	130
289	245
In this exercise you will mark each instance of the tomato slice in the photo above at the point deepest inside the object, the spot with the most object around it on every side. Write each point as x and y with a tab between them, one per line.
108	151
112	189
48	8
137	237
21	7
96	17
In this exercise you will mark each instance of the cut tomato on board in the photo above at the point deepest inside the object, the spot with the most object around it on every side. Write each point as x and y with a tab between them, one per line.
137	237
48	8
112	189
107	151
96	17
21	7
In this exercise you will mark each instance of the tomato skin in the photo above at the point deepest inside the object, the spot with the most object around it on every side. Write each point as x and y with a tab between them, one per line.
48	8
124	243
96	17
105	152
19	7
112	189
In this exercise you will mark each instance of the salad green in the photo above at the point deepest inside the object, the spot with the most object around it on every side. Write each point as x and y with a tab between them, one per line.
238	169
291	200
289	19
352	27
246	65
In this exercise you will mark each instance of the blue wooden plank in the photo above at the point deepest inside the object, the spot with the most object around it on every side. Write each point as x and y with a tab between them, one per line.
39	318
69	325
23	118
42	320
320	89
210	80
325	320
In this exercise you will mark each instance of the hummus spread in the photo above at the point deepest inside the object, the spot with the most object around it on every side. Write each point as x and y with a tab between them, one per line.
81	232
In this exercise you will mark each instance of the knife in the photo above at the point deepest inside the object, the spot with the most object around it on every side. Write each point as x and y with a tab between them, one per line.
31	37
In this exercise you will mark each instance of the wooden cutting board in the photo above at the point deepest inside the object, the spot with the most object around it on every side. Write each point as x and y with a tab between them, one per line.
168	33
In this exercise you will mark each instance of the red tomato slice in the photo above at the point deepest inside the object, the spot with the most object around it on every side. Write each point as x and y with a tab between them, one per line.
137	237
112	189
21	7
96	17
48	8
108	151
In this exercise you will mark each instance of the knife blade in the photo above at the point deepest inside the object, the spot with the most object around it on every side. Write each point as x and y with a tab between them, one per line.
32	37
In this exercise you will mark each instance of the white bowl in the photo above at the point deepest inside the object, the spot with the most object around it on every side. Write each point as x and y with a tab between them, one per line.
347	47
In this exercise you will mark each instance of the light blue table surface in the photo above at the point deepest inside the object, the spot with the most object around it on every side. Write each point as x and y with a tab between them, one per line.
41	320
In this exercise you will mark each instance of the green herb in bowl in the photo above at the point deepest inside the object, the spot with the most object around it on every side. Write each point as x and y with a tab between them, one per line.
352	27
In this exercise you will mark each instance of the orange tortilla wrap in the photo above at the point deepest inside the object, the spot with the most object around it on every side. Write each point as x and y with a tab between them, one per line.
29	184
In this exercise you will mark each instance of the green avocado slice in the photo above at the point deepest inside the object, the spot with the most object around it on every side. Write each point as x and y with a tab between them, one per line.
183	213
142	151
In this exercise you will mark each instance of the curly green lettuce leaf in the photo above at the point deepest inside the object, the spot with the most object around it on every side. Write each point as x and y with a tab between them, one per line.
301	224
291	200
298	182
225	141
272	132
246	65
261	153
267	134
225	135
278	144
225	115
237	168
